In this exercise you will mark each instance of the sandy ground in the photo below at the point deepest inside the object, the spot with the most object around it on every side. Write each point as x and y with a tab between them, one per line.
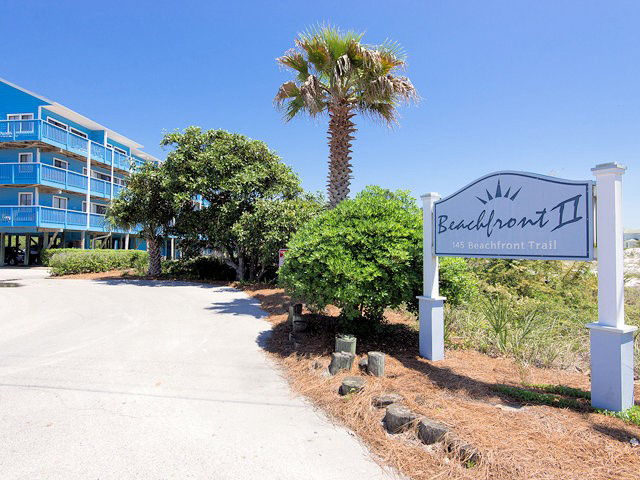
632	267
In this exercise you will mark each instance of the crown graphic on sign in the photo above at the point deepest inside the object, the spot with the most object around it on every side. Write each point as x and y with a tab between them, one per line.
498	194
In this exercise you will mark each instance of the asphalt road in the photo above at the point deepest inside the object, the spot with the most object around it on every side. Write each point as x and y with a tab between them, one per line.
139	380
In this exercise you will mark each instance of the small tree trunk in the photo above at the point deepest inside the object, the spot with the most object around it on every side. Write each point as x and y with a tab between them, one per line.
252	270
155	260
340	132
240	269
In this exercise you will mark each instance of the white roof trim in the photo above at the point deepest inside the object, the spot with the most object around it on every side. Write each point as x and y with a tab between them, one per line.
17	87
144	155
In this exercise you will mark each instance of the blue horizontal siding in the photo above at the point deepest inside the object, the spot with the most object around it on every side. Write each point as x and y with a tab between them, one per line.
48	217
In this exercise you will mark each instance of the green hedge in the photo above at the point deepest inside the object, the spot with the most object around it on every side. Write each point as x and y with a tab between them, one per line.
67	261
199	268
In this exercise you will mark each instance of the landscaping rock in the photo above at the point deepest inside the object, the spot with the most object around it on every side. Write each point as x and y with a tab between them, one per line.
386	399
341	361
399	418
430	431
376	364
463	451
346	343
351	385
363	363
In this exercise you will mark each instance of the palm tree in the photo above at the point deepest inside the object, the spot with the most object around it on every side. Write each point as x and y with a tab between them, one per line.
337	74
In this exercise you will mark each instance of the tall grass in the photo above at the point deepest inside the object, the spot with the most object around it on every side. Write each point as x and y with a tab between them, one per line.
535	312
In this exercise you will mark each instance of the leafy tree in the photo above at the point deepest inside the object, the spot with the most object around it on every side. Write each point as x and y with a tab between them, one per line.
241	181
363	256
270	226
336	74
148	204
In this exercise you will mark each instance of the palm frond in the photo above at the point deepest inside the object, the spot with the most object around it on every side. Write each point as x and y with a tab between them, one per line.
287	90
317	54
389	87
311	93
385	113
295	61
333	67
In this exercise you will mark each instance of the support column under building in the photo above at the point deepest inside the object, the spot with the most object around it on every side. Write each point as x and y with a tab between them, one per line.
27	249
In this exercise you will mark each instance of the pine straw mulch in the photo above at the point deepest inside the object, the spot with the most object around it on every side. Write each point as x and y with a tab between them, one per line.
533	442
97	275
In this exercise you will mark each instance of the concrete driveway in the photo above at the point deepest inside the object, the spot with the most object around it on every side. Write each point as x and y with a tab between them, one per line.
140	380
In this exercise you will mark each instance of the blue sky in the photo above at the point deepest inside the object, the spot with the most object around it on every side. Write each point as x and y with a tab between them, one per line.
546	86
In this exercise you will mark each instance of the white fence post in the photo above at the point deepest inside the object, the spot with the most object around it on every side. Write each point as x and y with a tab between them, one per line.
431	303
611	340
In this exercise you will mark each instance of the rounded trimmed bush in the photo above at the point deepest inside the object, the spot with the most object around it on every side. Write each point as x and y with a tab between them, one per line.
363	256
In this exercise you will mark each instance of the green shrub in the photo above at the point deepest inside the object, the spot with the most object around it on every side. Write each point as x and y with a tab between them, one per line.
457	280
363	256
46	254
72	260
199	268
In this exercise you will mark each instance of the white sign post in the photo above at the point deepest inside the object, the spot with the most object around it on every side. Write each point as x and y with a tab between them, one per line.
431	304
524	215
611	340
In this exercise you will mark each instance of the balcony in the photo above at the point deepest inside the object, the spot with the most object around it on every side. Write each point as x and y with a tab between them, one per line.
42	174
19	131
47	217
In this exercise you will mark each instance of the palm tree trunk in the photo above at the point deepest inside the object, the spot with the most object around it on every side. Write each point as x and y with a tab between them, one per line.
155	260
340	132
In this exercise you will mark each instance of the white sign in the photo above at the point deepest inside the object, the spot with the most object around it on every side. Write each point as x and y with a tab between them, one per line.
524	215
516	215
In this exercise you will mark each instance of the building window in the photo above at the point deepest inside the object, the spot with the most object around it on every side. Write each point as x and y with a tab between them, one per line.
99	209
77	132
98	175
25	157
95	208
56	123
25	199
60	163
119	150
20	127
60	202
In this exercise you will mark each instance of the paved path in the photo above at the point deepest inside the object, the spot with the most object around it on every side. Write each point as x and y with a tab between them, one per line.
138	380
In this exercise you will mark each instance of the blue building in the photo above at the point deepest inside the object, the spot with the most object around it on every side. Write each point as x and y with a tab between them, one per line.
58	172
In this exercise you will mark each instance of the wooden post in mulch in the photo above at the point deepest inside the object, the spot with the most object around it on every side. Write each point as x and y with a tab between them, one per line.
375	364
341	361
298	324
295	309
346	343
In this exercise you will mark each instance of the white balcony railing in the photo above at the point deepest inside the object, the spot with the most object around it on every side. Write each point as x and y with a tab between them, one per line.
39	130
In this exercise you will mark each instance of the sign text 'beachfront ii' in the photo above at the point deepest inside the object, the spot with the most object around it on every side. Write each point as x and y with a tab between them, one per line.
516	215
